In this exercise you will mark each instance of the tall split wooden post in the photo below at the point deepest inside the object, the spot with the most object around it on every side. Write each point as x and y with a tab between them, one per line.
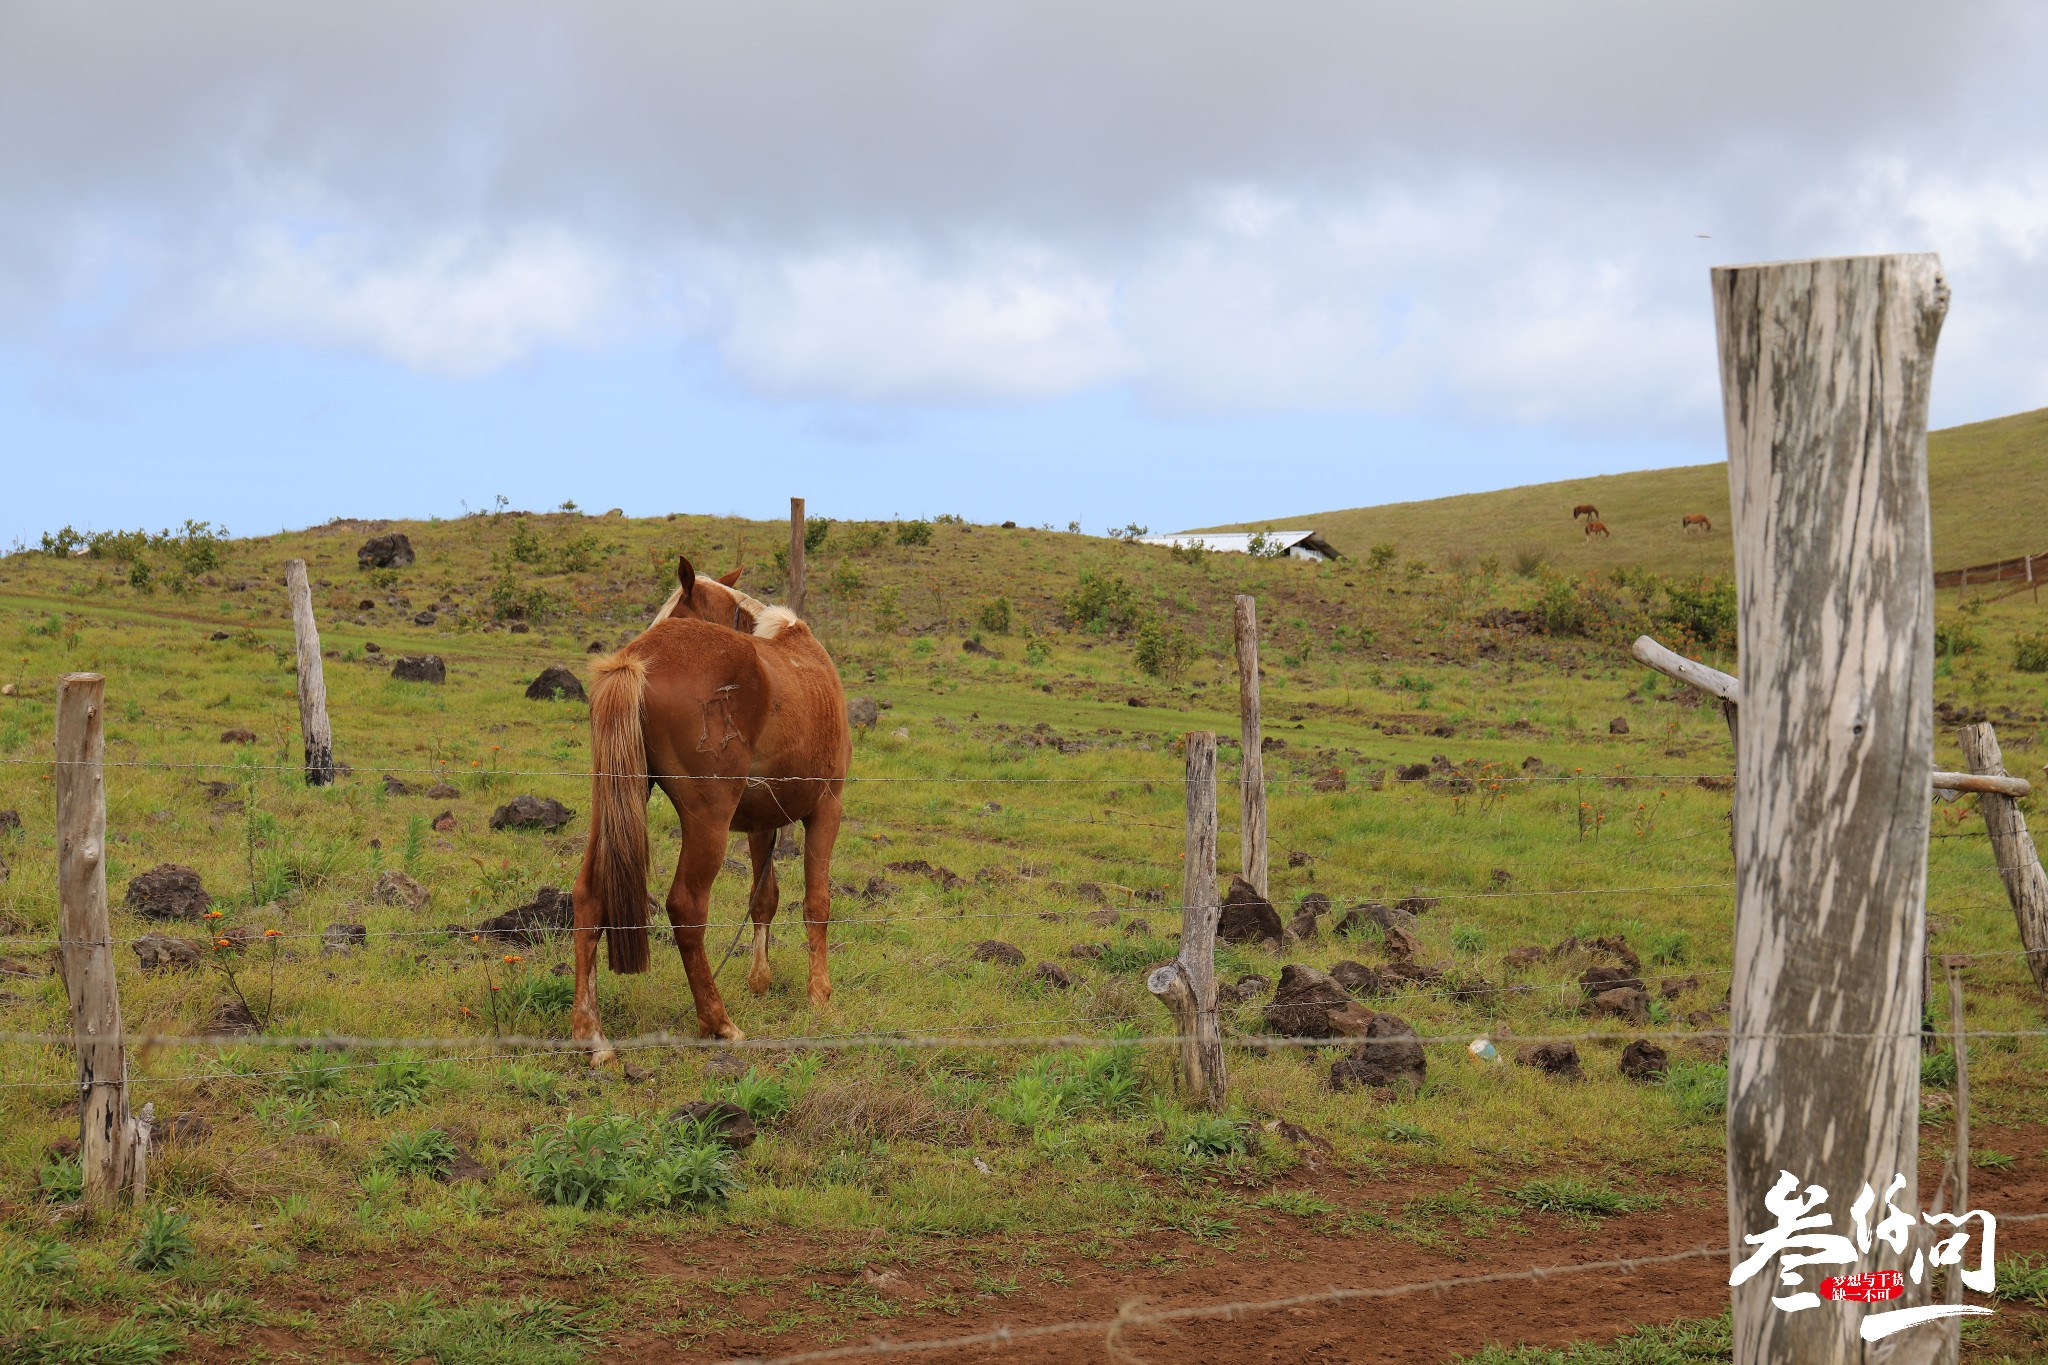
313	727
1252	772
1824	371
796	555
1187	985
2019	862
113	1147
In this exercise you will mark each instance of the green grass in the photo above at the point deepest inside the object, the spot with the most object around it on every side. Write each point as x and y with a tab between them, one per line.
1699	1341
1984	491
1077	1145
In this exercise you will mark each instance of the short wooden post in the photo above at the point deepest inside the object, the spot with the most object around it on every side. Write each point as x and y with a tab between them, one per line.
1824	370
2019	862
113	1150
1187	985
796	555
319	737
1252	772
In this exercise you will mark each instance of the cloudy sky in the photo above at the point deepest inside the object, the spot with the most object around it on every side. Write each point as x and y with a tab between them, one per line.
1169	262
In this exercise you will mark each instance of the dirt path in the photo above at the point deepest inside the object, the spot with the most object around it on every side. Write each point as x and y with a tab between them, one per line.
758	1297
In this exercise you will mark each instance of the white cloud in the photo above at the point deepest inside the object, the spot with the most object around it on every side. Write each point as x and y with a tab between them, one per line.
878	324
451	303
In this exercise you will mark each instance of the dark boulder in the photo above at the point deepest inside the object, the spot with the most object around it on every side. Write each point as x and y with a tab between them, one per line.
532	812
1643	1060
862	713
162	953
1627	1003
549	912
1247	916
238	736
1309	1004
556	683
426	668
1054	975
1595	980
995	950
385	552
168	891
1357	978
10	822
1390	1057
1552	1059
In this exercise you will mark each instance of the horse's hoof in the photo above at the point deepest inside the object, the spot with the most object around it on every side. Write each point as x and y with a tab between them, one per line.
728	1032
759	985
820	997
603	1056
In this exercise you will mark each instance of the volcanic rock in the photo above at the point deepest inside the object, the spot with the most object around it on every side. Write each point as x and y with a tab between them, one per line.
168	891
532	812
1247	916
556	683
385	552
1553	1059
426	668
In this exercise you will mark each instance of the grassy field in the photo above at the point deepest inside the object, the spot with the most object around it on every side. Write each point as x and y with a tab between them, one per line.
1042	772
1987	487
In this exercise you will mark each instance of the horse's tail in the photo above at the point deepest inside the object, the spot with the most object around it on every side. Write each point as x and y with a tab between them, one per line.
618	810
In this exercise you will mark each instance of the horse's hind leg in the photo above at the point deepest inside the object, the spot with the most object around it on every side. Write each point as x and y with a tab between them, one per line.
583	1023
761	903
820	829
689	906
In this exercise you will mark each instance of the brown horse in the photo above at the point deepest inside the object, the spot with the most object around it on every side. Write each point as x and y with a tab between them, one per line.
1695	519
1585	509
734	710
1596	527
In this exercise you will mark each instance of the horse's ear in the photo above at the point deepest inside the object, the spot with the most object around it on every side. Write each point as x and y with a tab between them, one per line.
686	577
732	579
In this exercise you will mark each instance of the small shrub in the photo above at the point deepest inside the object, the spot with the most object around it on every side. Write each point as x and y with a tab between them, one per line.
764	1095
1380	557
541	994
2023	1279
399	1083
1163	651
914	533
2030	653
623	1163
1036	654
995	616
1954	638
1208	1135
815	531
1102	602
1569	1194
429	1152
1467	938
579	554
61	1180
847	579
1938	1070
309	1076
1703	613
524	545
163	1244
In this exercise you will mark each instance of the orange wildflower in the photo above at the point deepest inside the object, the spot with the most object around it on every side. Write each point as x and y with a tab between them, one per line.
273	933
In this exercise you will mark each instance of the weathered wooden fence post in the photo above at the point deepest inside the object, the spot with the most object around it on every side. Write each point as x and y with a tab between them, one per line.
1961	1158
1187	985
319	737
1824	373
796	555
2019	862
1252	772
113	1148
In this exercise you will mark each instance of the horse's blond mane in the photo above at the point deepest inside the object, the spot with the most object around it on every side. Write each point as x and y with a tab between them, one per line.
769	622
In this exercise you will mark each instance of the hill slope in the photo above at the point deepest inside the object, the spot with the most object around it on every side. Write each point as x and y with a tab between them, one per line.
1988	483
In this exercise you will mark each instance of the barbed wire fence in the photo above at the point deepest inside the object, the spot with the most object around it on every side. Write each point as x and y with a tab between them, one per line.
512	1047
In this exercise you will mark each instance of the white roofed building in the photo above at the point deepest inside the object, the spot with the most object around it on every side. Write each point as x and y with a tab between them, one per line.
1292	544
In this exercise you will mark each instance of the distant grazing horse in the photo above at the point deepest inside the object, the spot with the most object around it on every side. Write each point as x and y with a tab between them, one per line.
735	709
1596	527
1693	520
1585	509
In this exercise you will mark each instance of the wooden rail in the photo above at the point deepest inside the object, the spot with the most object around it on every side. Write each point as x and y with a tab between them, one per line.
1715	683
